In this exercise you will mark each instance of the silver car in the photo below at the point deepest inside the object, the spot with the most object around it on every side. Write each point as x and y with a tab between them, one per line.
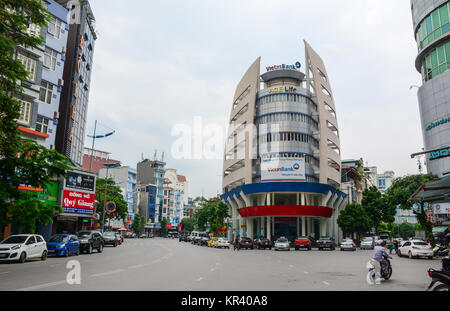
282	244
348	244
367	243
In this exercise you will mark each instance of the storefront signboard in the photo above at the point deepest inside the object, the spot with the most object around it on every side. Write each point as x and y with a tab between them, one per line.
283	169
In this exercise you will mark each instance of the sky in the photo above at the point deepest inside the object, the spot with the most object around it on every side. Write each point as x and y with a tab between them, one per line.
162	66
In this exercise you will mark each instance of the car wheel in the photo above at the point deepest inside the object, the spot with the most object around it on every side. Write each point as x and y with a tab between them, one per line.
23	257
90	249
115	244
44	255
78	251
100	248
430	257
441	288
410	255
66	253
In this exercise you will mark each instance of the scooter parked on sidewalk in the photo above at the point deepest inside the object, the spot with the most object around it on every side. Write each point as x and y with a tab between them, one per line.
385	270
442	276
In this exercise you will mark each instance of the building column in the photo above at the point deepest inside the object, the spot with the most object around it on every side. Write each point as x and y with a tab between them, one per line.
303	226
269	232
298	225
309	226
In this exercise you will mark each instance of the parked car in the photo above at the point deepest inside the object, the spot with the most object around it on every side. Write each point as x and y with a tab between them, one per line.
245	242
110	238
90	240
222	243
212	242
367	243
282	244
128	235
415	249
204	240
303	242
142	236
63	245
263	243
348	244
326	242
21	247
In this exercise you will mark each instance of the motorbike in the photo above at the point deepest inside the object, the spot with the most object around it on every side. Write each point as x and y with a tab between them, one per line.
386	270
442	276
440	250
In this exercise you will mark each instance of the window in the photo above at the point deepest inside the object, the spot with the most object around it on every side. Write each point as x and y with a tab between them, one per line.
50	58
39	239
54	27
46	92
42	124
34	30
25	111
29	64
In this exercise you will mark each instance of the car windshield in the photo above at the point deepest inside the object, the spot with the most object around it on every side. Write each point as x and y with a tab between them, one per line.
83	234
15	240
282	240
302	238
348	240
59	238
325	239
420	243
367	239
109	234
245	239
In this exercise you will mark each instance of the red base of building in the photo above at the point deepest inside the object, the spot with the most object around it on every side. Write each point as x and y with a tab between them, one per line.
286	210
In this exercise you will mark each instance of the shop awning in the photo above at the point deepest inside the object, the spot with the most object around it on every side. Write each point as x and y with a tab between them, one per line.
434	190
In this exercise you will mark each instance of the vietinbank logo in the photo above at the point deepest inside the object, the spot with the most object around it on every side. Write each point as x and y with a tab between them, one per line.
294	167
297	66
282	169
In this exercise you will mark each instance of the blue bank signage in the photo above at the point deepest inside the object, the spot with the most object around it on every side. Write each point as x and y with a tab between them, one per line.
283	169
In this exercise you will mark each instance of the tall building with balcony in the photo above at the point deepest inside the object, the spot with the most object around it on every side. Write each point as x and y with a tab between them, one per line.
431	22
282	163
77	78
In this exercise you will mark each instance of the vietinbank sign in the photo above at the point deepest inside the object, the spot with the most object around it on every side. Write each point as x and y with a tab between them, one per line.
285	67
283	169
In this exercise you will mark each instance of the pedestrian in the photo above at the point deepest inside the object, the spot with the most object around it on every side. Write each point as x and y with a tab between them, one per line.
236	243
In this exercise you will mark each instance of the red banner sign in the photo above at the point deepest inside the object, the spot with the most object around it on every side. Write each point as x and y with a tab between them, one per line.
76	201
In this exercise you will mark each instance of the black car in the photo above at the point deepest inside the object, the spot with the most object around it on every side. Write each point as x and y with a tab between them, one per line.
263	243
326	242
90	240
110	238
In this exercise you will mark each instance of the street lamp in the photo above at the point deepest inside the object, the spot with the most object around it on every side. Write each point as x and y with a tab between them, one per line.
108	166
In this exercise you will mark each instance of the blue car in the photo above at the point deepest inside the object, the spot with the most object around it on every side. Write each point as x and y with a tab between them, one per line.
63	245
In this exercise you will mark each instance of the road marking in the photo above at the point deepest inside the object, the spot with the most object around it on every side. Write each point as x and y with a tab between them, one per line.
5	272
291	266
42	286
305	272
326	283
199	279
107	273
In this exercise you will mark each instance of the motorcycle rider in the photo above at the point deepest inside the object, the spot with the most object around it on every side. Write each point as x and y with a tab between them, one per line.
378	256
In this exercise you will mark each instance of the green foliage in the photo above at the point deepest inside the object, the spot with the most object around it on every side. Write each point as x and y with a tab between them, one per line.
402	189
114	193
164	222
188	224
138	223
377	207
33	166
213	213
354	218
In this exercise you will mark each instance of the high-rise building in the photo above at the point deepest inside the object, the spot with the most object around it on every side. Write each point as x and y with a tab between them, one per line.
45	64
385	180
431	21
151	172
77	78
282	164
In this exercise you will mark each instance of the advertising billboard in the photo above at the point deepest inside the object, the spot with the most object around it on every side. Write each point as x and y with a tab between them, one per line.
441	208
283	169
78	202
80	181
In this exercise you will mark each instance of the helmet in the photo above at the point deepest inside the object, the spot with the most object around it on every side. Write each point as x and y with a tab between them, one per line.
381	242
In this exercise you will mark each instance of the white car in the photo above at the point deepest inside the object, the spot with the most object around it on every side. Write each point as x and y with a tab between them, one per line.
222	242
282	244
416	248
367	243
348	244
20	247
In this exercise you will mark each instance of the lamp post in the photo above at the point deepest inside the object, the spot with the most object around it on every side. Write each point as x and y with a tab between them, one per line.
108	166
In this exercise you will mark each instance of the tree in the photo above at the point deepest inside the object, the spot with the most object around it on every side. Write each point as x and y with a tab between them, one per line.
354	218
377	206
213	214
33	166
402	189
114	193
164	222
188	224
136	225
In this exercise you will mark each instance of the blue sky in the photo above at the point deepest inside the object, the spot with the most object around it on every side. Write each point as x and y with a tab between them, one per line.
162	63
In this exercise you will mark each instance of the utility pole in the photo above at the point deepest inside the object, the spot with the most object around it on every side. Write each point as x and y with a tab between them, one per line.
92	149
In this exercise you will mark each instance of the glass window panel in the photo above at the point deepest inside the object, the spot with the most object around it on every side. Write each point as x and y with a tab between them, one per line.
443	12
447	51
429	26
441	54
436	21
434	59
442	68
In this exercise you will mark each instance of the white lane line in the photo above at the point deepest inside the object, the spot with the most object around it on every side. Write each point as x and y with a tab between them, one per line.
199	279
107	273
5	272
42	286
138	266
326	283
305	272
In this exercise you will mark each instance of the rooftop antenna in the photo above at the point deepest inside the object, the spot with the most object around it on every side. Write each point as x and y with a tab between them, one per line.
154	157
142	156
162	157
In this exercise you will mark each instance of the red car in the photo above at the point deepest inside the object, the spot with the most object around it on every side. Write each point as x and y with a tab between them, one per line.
302	242
263	243
245	243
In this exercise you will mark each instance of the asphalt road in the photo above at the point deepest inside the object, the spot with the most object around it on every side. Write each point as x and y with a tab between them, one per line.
168	265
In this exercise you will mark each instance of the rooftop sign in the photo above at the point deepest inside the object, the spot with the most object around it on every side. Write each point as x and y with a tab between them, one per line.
285	67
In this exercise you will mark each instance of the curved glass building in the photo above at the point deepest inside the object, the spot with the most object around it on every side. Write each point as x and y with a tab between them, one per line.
282	163
431	20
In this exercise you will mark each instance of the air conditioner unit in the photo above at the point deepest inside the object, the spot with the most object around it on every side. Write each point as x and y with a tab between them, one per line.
61	82
56	115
